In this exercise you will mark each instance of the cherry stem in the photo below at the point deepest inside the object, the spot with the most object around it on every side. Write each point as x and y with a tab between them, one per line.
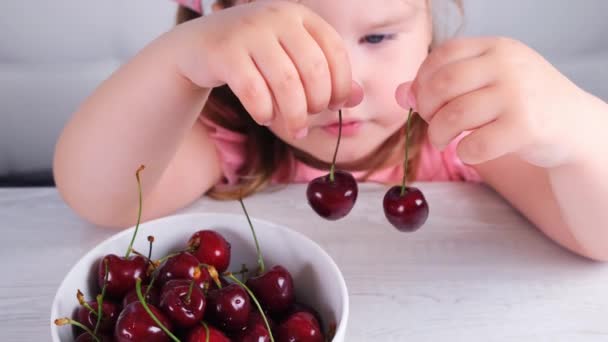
255	238
333	162
406	161
189	296
207	333
231	276
151	241
141	168
101	297
213	274
64	321
156	320
82	302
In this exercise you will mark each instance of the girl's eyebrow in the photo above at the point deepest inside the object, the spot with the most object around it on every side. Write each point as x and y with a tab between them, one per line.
392	19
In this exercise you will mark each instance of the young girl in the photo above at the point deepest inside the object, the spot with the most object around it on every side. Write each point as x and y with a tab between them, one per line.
248	96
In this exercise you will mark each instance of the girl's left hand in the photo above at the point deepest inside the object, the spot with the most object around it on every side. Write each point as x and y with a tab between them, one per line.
509	97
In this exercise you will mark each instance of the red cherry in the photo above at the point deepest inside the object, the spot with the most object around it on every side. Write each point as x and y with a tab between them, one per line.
211	248
255	331
182	266
152	296
407	212
135	324
300	326
122	273
183	309
110	312
333	200
199	334
333	196
301	307
273	289
228	308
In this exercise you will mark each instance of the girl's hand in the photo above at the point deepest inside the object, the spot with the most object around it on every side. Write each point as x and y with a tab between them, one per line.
279	58
509	97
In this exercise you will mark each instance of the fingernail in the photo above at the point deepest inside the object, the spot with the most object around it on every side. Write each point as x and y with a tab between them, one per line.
302	133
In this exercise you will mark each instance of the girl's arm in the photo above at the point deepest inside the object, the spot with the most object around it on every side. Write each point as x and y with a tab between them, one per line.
145	113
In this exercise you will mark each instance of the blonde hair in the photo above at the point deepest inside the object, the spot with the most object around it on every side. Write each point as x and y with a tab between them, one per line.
265	152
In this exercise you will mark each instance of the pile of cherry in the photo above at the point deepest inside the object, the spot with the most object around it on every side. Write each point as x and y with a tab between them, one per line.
190	296
332	196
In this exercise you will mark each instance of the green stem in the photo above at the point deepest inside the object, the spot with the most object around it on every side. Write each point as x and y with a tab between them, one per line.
138	212
406	161
333	163
231	276
101	297
64	321
255	238
190	291
207	332
156	320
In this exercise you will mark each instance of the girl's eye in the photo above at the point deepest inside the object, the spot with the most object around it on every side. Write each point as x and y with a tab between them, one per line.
375	38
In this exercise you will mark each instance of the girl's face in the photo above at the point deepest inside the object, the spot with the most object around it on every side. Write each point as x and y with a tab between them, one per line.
387	41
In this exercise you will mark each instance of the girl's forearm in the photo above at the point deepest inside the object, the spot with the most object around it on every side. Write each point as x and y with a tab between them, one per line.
137	116
581	187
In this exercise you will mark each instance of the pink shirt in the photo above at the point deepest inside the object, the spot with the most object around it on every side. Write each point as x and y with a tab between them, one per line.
434	165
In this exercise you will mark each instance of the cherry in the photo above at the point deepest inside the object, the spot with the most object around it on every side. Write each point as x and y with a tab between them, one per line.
135	324
228	307
199	334
183	302
122	271
274	289
332	196
88	335
182	266
110	312
255	331
211	248
405	207
408	210
302	327
150	293
301	307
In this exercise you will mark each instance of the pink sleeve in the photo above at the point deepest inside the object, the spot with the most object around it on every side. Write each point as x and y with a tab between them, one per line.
230	147
445	165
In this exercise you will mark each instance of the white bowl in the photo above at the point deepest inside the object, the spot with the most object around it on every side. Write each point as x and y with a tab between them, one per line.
318	281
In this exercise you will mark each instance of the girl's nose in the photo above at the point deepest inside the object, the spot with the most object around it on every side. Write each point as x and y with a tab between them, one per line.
356	95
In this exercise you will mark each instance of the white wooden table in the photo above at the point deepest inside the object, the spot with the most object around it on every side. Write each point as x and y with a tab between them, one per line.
477	271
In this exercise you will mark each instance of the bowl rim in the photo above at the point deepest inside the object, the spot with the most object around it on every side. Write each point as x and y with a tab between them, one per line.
340	329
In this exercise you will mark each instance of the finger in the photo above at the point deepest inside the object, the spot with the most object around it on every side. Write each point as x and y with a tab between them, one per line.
284	82
464	113
312	67
450	52
337	57
246	82
489	142
453	80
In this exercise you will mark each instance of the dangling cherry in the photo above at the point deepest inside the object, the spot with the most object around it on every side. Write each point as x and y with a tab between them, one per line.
122	271
211	248
405	207
333	196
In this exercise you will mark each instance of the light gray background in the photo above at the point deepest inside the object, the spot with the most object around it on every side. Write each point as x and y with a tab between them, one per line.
54	53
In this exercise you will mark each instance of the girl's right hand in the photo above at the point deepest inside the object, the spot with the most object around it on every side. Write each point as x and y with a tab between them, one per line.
278	57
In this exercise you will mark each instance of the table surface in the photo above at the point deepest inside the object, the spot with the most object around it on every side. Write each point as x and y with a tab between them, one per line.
477	271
